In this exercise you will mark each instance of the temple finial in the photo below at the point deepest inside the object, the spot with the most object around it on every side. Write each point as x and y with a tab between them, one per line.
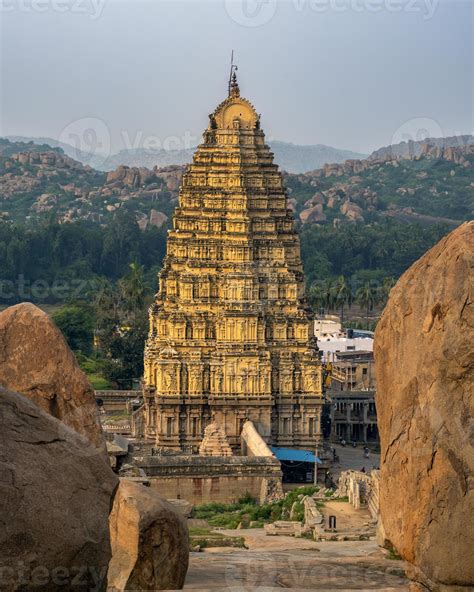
233	89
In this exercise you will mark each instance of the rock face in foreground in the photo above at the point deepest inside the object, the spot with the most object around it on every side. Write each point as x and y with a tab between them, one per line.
36	361
425	388
150	543
55	497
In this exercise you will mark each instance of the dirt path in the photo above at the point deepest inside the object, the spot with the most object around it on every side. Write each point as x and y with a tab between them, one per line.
347	517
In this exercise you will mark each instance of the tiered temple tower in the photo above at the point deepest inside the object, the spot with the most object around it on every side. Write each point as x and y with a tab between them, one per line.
230	335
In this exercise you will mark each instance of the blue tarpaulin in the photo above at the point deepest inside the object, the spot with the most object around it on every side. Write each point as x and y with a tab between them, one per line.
291	454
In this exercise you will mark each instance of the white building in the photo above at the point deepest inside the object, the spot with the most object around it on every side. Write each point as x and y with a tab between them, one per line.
333	338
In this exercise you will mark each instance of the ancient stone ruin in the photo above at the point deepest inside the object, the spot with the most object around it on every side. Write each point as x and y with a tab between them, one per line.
425	375
214	442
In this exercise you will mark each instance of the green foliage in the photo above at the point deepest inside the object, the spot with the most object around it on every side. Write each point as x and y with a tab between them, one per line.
246	510
94	367
430	187
122	342
205	538
298	512
76	322
53	262
384	249
393	554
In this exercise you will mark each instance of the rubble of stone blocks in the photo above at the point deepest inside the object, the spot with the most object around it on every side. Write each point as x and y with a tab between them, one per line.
312	516
271	491
287	528
214	442
362	489
325	493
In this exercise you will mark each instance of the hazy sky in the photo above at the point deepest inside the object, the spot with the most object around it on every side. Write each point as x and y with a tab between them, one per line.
355	74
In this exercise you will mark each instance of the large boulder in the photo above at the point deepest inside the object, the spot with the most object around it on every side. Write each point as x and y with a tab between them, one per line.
55	498
313	214
424	364
352	211
150	542
36	361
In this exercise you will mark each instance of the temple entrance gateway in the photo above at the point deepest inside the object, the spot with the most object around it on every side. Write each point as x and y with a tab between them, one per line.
230	336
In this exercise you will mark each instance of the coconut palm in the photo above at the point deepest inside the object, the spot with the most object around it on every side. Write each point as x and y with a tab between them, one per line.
328	295
343	295
316	296
367	297
132	287
385	288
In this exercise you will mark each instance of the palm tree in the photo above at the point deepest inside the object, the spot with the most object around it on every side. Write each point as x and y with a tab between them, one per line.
343	295
316	296
328	295
366	297
132	287
385	288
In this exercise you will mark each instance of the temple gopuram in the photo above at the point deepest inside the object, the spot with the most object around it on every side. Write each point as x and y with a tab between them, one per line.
230	331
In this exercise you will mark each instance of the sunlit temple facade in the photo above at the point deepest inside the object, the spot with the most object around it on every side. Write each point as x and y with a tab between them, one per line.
230	335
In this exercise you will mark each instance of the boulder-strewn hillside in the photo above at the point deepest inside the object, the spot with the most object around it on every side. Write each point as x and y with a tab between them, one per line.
35	184
436	185
411	148
291	157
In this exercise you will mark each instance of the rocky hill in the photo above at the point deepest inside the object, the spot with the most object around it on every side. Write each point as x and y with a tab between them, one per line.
411	148
291	157
435	185
35	184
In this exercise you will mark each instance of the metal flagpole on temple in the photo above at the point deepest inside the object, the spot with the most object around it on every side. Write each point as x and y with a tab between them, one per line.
233	68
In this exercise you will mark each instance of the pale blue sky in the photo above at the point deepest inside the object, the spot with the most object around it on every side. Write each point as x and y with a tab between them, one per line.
347	74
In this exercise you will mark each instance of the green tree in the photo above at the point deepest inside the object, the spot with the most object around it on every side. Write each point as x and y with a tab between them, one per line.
125	348
316	297
76	322
132	287
343	295
328	295
366	297
385	288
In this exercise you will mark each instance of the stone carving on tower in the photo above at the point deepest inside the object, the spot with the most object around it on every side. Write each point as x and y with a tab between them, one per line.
230	336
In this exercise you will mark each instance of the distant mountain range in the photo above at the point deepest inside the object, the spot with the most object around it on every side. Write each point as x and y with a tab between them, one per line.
292	158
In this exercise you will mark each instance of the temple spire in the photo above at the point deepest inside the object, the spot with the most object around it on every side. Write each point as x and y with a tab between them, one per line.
233	89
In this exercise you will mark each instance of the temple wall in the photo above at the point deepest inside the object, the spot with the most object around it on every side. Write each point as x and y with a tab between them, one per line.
202	490
206	479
